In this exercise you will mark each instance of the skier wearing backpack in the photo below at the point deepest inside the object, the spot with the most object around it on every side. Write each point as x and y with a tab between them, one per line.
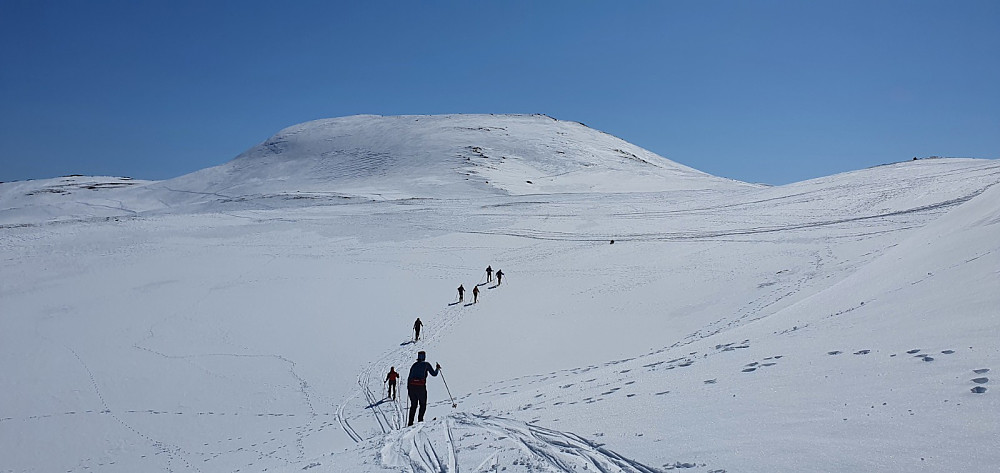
475	294
489	273
499	277
461	293
416	329
416	385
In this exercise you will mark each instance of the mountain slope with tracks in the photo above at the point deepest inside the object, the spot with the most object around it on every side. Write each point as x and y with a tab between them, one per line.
652	318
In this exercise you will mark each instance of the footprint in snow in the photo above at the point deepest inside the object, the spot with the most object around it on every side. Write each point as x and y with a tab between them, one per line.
948	352
981	370
979	389
679	465
862	352
981	380
747	370
835	352
710	381
913	351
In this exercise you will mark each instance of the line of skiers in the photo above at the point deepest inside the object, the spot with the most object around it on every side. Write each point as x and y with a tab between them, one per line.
475	290
416	381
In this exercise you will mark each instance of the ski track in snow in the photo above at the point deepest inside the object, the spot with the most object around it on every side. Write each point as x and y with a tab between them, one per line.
529	447
496	444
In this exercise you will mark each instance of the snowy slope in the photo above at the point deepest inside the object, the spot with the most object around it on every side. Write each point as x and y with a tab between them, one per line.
398	157
71	197
453	155
242	318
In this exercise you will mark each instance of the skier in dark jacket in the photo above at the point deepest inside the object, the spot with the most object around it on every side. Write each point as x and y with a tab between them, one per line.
489	273
416	385
499	277
461	293
391	379
475	294
416	329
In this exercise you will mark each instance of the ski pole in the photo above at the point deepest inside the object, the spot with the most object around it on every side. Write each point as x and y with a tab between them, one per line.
453	405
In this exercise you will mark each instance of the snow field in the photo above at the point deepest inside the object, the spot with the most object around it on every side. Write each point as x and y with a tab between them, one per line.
246	324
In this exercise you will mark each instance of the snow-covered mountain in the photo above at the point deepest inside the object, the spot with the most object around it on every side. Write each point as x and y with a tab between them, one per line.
462	155
243	317
399	157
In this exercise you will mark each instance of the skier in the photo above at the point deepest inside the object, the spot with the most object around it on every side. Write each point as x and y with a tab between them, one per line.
475	294
461	293
391	380
416	329
489	273
416	385
499	277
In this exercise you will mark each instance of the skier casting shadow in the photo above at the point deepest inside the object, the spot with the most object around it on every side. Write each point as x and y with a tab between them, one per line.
416	329
390	379
416	385
499	275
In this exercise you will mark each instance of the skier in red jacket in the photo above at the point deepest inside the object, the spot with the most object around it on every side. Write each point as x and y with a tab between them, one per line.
391	380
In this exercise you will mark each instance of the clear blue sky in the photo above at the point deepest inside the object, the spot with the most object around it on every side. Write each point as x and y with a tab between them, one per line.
762	91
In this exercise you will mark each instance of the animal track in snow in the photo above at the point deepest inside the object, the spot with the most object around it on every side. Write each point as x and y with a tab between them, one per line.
679	465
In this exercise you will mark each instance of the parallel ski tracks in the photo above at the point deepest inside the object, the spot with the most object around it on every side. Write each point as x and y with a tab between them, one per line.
515	444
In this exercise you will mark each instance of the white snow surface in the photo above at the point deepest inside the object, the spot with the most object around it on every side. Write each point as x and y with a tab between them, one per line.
242	318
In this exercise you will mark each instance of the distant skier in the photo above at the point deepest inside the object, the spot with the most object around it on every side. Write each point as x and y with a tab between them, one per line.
416	329
499	277
489	273
416	385
461	293
475	294
391	380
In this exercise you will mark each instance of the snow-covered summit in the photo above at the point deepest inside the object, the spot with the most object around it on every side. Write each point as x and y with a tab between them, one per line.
444	155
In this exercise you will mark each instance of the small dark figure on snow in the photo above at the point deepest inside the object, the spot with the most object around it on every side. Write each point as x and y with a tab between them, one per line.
391	380
499	277
461	293
475	294
416	329
416	385
489	273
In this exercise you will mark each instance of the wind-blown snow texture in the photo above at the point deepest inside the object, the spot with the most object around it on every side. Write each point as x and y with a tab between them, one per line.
243	317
